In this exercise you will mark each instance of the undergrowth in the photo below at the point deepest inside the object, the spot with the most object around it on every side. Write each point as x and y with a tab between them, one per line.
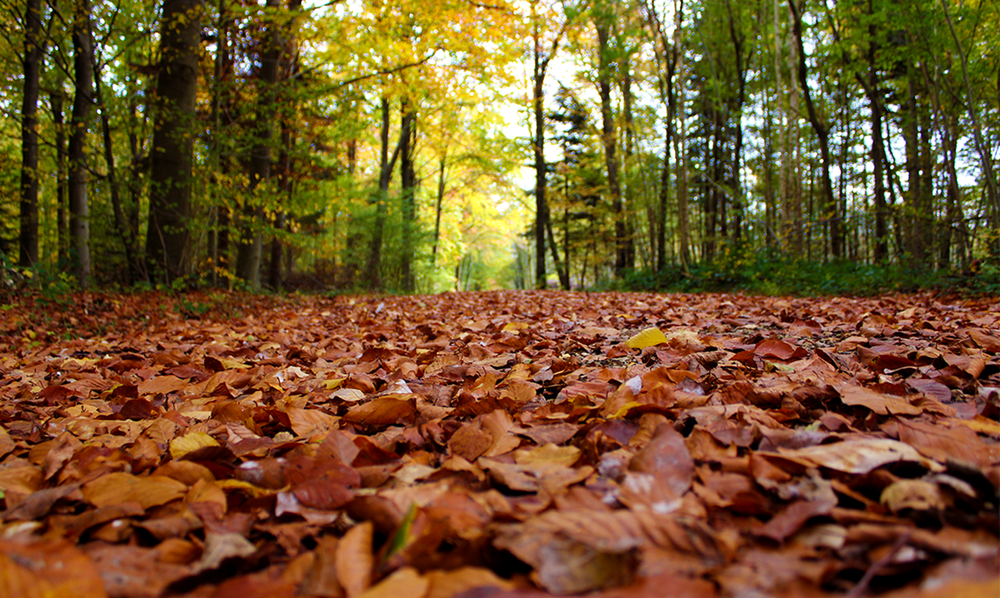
768	273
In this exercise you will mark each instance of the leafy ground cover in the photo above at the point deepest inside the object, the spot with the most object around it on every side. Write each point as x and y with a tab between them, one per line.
499	444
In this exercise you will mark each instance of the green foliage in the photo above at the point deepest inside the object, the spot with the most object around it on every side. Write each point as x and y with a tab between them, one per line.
767	272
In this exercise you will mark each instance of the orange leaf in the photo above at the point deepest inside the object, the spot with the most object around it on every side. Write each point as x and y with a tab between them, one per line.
383	411
120	487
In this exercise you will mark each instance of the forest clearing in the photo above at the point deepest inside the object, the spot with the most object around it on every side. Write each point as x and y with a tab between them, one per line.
499	444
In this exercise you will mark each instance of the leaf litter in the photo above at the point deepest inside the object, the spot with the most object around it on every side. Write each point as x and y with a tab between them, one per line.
501	444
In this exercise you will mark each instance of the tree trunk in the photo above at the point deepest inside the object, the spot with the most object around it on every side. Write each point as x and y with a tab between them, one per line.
680	140
32	66
538	106
627	162
562	270
386	165
288	69
79	212
62	215
127	235
830	212
248	256
739	56
408	182
222	78
871	87
610	141
982	146
437	208
167	237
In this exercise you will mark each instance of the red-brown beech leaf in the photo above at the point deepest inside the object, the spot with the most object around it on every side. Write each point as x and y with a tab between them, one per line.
354	559
666	457
878	402
382	411
120	487
47	569
779	349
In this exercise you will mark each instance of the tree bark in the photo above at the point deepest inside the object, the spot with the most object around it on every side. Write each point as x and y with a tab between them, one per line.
540	65
62	212
438	204
32	67
288	68
408	183
167	237
742	59
629	193
127	235
248	256
538	108
386	165
830	211
871	87
982	146
680	140
79	211
218	233
610	141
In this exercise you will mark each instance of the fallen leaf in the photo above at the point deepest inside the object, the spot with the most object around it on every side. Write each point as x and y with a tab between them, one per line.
119	487
646	338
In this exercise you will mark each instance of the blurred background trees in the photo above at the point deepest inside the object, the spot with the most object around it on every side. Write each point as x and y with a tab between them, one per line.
426	146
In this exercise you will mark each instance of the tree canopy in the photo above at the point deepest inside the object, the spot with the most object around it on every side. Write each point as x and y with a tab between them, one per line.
458	144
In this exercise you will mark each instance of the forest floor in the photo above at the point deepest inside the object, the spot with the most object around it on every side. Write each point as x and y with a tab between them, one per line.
499	444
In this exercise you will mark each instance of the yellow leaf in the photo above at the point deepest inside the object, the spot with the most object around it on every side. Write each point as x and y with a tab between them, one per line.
232	364
513	327
548	453
647	338
333	383
192	441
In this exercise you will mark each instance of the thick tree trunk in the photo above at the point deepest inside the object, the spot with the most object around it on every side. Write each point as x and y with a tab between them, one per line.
248	256
79	211
167	237
32	67
288	68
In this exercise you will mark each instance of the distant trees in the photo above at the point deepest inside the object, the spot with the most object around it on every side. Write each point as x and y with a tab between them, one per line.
370	145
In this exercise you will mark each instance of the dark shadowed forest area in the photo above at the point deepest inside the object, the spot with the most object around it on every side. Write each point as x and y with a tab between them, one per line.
775	146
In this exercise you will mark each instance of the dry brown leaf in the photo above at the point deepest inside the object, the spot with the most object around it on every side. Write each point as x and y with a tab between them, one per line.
382	411
860	456
354	559
445	584
402	583
47	569
878	402
279	452
120	487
